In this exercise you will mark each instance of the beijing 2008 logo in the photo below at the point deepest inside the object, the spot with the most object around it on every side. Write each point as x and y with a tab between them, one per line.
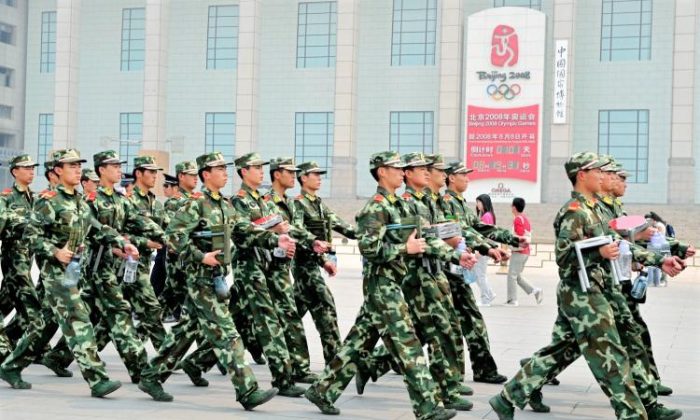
504	46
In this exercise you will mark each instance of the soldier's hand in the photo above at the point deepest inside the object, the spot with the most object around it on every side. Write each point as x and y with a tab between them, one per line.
119	253
467	260
153	245
330	268
131	250
415	245
453	242
64	255
610	251
523	241
281	228
321	247
672	266
289	244
495	254
210	258
690	252
646	234
505	254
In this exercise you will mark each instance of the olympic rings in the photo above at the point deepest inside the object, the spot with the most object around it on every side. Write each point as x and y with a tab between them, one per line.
503	91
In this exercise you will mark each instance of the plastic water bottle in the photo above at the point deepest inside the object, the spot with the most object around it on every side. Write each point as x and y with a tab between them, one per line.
625	261
468	275
130	269
639	288
72	273
220	285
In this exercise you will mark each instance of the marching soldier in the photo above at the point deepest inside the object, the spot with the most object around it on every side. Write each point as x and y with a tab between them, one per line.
57	230
310	289
89	181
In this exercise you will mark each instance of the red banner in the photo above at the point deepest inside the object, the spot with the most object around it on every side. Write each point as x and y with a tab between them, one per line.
502	142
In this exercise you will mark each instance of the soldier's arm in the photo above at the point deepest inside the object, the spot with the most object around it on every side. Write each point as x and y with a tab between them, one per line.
571	230
246	235
340	225
140	228
371	228
496	233
178	232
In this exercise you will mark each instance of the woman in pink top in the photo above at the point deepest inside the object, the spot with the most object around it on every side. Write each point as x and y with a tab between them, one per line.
484	209
521	227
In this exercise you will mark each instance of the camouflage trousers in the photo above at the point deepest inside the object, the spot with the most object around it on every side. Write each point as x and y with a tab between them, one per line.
384	314
311	293
19	291
175	289
212	318
433	315
645	336
473	327
145	304
251	293
585	323
73	318
5	345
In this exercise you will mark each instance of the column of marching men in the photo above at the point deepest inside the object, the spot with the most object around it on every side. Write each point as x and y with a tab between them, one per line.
415	248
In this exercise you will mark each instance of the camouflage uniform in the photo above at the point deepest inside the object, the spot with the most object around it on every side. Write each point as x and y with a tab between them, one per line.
140	294
17	290
206	310
384	313
310	289
251	302
586	319
7	218
477	236
63	218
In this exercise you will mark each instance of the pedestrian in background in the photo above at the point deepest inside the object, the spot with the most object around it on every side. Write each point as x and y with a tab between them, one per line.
484	209
521	227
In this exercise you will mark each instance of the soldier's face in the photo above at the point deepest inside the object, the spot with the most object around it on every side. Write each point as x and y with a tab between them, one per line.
418	177
253	175
24	175
459	182
593	180
393	177
69	173
112	172
89	186
312	181
148	178
168	190
620	186
188	181
437	177
286	178
217	177
608	180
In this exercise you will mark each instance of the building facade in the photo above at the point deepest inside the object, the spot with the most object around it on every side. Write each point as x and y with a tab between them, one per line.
335	81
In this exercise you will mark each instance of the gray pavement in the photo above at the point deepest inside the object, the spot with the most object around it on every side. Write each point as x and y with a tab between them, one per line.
672	314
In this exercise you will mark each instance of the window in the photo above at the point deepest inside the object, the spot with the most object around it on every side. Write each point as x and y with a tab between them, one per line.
411	131
45	137
624	134
7	140
6	112
413	33
7	33
313	138
133	38
532	4
130	135
48	42
316	28
625	30
220	135
11	3
6	76
222	37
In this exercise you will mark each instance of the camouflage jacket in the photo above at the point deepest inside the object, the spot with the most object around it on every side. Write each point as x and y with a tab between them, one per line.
62	218
476	233
10	219
112	208
174	204
436	248
313	211
147	205
200	212
21	204
383	250
250	205
284	206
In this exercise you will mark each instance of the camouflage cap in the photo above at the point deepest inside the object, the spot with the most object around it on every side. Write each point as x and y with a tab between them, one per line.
90	174
622	173
437	161
169	180
106	157
66	156
414	160
458	167
22	161
286	163
310	167
249	159
209	160
187	167
146	162
583	161
49	165
388	158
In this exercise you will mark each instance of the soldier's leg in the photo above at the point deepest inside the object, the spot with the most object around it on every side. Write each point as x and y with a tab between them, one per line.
159	272
645	336
314	295
145	304
243	320
473	328
174	348
21	291
5	345
282	294
268	331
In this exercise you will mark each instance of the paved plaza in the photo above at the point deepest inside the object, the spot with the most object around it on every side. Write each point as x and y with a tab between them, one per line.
672	314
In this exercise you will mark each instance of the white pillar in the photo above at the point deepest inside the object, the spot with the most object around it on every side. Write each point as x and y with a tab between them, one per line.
65	118
248	75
